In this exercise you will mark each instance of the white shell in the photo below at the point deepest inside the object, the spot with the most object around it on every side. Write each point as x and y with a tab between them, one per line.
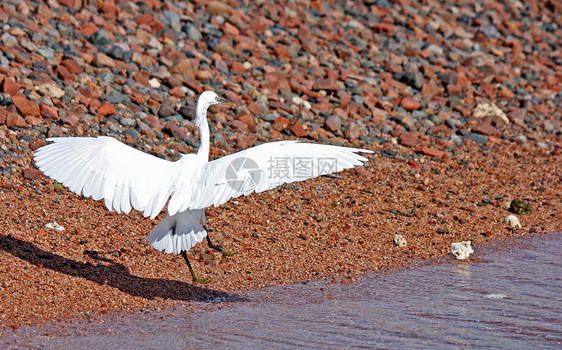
512	221
462	250
54	226
399	240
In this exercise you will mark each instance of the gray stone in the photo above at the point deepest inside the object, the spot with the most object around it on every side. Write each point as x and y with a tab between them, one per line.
192	32
478	138
187	112
489	31
419	114
521	139
133	133
436	119
100	38
456	139
116	52
48	54
551	126
166	110
107	77
386	129
448	78
9	40
171	17
413	79
116	97
175	118
4	62
127	121
436	50
270	117
453	123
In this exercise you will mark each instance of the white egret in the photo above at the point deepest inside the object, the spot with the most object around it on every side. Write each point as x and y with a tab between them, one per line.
104	168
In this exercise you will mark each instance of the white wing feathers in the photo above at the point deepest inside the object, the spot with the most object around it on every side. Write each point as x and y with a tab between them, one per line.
266	166
103	167
126	178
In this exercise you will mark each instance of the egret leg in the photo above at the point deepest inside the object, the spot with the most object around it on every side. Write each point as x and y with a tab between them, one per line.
218	248
195	278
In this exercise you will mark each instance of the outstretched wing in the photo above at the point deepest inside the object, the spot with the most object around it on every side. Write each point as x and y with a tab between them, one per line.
266	166
103	167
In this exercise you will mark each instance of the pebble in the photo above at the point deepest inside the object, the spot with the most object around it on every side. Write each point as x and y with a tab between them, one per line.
409	139
50	90
333	123
352	131
326	84
512	221
489	109
484	128
462	250
297	129
54	226
478	138
25	106
106	109
102	60
116	52
432	152
413	79
192	32
399	241
410	104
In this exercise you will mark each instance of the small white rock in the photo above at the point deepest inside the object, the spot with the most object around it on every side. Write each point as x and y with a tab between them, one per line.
486	109
297	100
155	83
50	90
399	240
512	221
462	250
54	226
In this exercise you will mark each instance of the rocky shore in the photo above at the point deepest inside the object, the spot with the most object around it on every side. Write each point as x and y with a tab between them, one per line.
460	101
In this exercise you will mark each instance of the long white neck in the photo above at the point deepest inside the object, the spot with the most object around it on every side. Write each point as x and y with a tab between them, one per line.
203	125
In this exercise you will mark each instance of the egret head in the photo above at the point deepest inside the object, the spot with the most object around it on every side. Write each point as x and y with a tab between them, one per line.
206	99
210	98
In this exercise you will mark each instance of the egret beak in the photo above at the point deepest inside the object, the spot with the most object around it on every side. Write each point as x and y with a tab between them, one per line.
226	102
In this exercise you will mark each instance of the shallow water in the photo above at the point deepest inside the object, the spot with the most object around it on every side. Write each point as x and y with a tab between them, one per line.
512	298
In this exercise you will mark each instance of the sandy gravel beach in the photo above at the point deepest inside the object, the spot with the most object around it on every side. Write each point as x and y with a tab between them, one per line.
461	104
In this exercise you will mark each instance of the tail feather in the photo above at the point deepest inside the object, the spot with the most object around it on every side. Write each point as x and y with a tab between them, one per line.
178	232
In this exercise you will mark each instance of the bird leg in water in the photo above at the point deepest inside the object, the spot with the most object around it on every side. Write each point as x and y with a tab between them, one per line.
218	248
195	278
